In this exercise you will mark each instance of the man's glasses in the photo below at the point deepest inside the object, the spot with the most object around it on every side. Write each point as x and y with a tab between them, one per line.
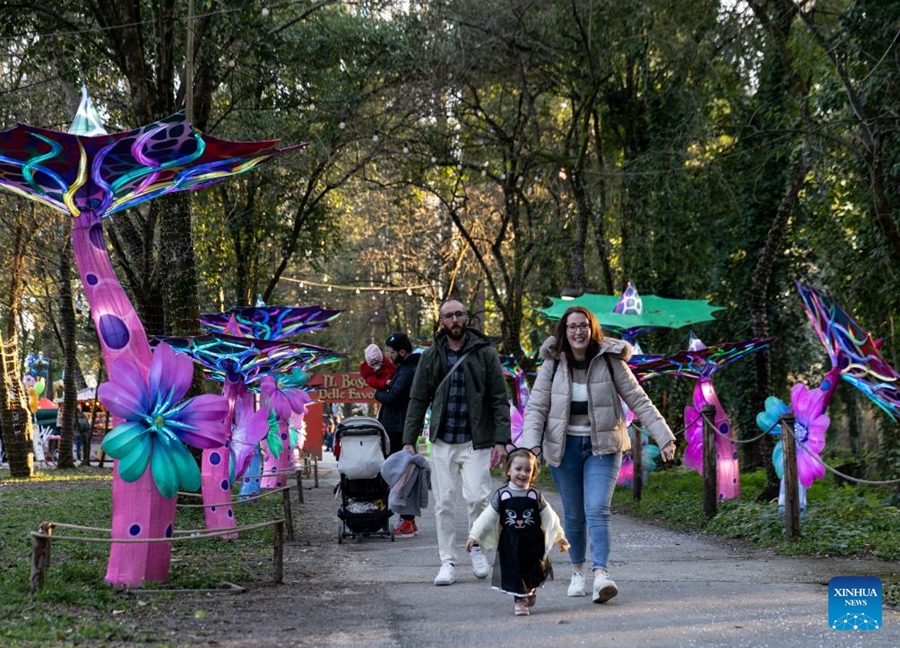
456	314
571	328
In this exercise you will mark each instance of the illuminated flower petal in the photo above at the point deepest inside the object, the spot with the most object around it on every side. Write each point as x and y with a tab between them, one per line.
186	466
124	438
274	398
133	464
808	469
807	404
284	399
246	436
170	377
173	467
693	434
767	421
126	395
778	460
201	422
298	400
273	436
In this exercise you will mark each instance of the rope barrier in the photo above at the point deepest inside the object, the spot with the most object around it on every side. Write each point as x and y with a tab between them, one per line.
811	454
41	542
685	428
735	431
240	500
272	474
842	475
77	527
195	536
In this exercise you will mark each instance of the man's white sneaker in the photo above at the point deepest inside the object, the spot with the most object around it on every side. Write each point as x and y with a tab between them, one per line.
576	587
447	575
604	587
480	566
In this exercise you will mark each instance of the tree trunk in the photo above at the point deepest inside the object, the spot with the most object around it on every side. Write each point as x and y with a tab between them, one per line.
176	260
70	395
17	427
760	296
15	420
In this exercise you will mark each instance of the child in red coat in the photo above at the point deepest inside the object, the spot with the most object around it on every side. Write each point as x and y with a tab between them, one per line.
377	370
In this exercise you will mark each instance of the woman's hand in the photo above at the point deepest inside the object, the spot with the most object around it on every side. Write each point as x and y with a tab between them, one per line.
667	452
469	544
563	545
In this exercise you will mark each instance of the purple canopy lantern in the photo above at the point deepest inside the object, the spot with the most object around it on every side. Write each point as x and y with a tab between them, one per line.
89	177
855	355
700	363
283	392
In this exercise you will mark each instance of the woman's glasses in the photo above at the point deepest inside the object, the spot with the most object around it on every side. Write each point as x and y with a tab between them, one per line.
571	328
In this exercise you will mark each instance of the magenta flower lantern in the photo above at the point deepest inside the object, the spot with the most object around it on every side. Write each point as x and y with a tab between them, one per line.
157	423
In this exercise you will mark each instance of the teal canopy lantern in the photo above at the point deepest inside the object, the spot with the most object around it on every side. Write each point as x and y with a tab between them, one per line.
631	314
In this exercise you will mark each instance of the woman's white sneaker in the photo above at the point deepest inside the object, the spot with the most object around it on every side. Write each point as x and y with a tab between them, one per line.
604	587
576	587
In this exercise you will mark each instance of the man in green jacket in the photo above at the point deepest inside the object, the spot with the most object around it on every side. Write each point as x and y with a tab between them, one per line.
460	378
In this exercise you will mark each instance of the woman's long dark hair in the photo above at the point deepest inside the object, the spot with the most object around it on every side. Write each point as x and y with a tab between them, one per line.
562	340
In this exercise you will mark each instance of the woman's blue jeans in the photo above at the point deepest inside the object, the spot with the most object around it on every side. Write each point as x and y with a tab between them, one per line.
586	482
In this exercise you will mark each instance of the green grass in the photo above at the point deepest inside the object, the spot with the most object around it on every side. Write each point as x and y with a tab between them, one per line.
840	521
76	606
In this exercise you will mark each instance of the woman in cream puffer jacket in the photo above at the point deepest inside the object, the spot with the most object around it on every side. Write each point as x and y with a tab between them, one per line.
547	415
574	415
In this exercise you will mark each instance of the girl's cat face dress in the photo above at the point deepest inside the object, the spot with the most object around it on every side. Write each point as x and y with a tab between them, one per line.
520	566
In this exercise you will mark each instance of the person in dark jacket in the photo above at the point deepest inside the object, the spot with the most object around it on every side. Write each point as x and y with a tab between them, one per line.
460	377
394	403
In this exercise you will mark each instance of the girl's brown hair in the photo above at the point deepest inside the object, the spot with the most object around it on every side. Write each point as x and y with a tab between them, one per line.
528	454
562	341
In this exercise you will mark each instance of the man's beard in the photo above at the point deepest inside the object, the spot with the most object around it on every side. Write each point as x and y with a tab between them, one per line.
456	335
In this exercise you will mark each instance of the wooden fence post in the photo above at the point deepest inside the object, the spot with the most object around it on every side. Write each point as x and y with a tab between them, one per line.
40	556
637	483
299	485
791	490
710	480
288	518
278	553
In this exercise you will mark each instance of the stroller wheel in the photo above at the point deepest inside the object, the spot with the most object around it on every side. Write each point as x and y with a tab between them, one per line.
392	534
341	533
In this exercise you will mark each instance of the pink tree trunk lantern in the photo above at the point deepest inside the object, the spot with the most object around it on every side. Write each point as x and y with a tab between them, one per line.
215	474
728	476
139	510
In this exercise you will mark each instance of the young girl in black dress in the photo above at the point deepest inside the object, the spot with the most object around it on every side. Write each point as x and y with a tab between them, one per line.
523	527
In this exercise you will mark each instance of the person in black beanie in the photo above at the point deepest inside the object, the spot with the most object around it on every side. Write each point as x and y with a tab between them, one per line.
394	403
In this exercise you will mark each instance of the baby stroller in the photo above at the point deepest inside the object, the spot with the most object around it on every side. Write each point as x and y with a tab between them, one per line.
361	444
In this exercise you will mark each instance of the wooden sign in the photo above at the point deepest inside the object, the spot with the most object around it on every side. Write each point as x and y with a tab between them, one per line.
341	388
